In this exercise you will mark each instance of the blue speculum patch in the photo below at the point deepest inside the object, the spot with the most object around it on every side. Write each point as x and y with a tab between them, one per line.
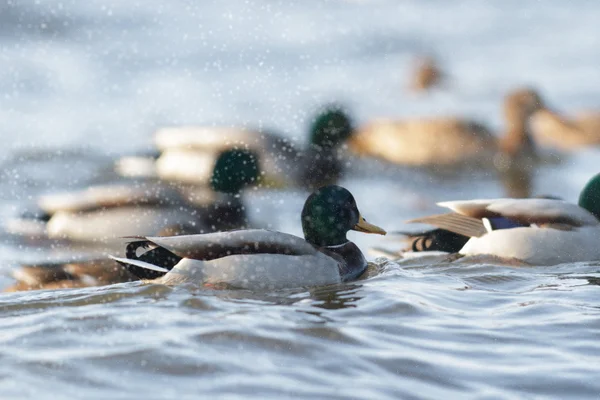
498	223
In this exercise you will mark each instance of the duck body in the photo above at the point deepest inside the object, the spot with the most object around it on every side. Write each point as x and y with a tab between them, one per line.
537	231
538	245
577	132
106	213
188	153
248	259
113	223
261	259
439	141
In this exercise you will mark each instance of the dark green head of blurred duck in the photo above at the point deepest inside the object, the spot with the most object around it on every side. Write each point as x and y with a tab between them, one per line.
234	170
590	196
331	127
329	213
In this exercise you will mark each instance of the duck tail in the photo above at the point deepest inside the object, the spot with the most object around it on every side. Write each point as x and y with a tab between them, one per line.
141	269
153	262
436	240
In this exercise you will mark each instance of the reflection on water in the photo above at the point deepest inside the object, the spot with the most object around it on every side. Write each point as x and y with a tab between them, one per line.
335	297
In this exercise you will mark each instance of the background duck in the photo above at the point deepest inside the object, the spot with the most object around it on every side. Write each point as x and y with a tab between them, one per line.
106	213
449	240
536	231
71	274
452	141
426	74
186	150
260	258
553	130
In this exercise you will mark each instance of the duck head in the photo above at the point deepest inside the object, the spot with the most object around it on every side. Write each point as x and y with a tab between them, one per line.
329	213
331	127
590	196
234	170
519	106
426	74
524	102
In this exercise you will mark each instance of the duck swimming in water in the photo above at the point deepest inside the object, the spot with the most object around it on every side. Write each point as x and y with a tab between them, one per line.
186	150
541	231
452	141
261	258
106	213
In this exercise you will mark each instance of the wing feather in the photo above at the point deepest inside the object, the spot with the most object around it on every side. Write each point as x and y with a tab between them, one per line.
457	223
526	211
249	241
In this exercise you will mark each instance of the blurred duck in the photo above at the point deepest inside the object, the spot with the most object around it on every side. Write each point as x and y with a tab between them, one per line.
106	213
552	130
260	258
454	141
74	274
186	150
541	231
426	75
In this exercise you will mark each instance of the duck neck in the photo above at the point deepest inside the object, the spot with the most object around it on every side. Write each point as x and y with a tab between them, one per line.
334	239
322	167
517	139
354	264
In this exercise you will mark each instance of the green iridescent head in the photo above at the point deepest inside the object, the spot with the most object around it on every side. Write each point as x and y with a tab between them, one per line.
329	213
590	196
331	127
234	169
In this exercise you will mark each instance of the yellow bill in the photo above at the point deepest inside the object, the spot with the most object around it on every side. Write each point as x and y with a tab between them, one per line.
364	226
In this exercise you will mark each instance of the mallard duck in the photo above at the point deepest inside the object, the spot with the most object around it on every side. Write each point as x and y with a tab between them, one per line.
70	274
552	130
184	151
452	141
444	240
261	258
538	231
107	212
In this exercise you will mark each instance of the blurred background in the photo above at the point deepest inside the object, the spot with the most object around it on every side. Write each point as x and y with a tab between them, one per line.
106	74
85	82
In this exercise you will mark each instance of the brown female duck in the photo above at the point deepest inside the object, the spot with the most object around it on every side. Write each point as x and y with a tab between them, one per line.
453	141
70	274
